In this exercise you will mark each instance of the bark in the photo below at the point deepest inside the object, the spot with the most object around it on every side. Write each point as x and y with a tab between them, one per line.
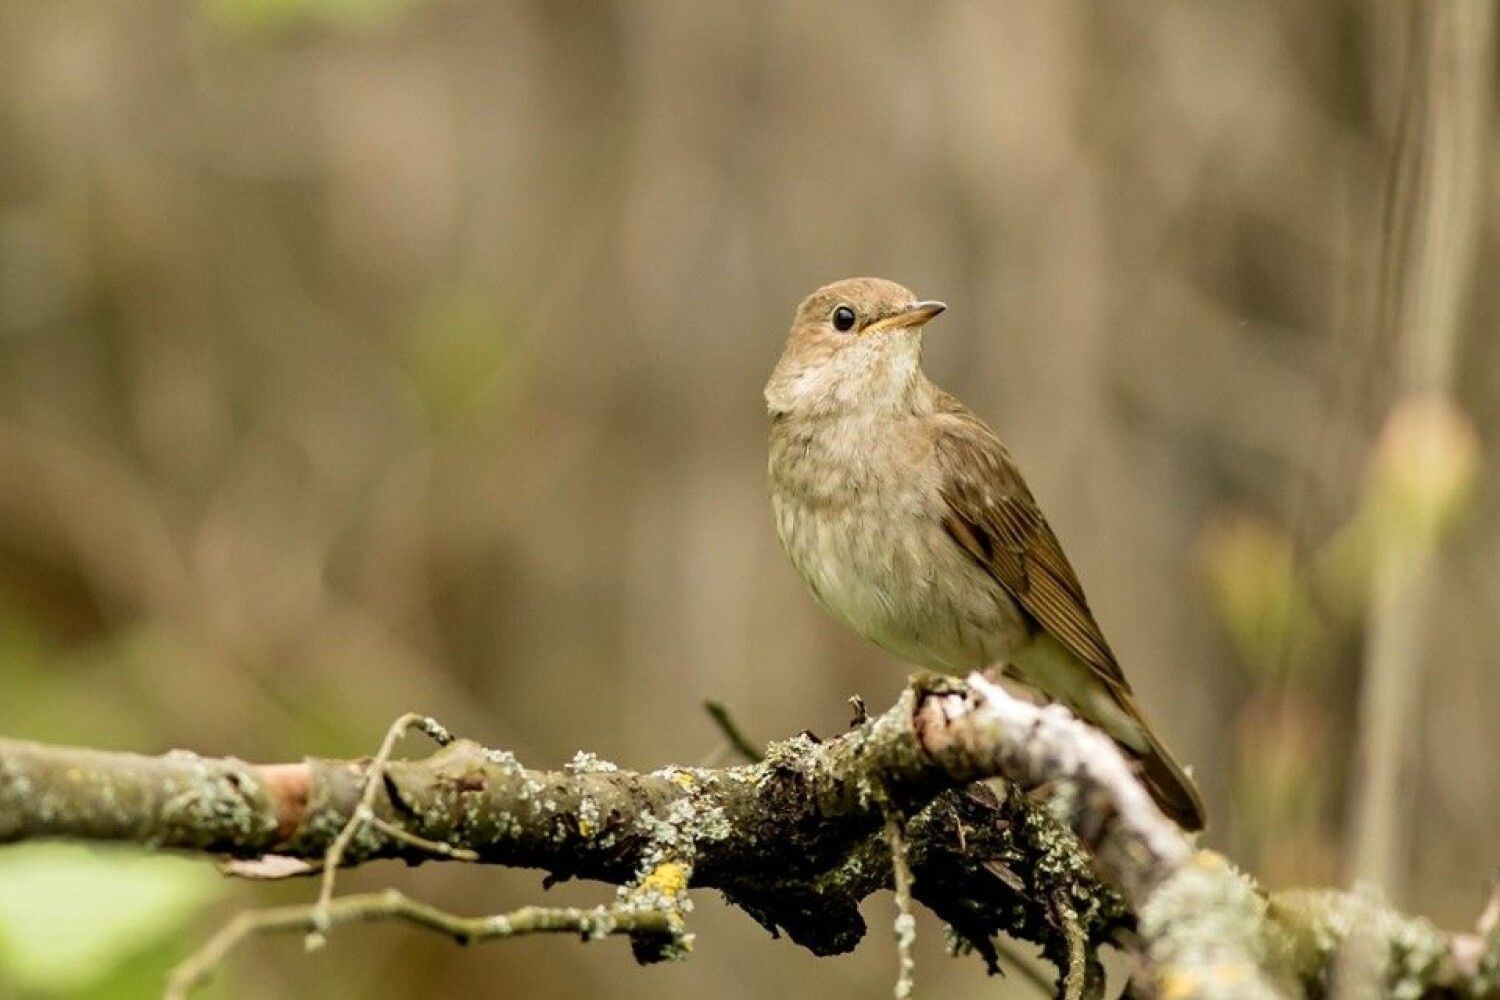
796	840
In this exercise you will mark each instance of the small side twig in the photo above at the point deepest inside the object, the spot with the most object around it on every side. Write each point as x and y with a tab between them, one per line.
906	923
422	843
741	743
364	813
391	904
1072	980
861	712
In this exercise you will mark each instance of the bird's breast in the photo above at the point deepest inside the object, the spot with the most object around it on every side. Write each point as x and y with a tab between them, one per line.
858	521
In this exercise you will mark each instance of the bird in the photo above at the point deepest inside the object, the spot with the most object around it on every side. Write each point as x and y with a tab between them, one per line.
907	518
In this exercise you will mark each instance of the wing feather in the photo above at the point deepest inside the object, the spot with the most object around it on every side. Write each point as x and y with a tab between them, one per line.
992	515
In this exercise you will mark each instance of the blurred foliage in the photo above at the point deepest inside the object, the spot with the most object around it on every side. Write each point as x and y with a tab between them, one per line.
1284	612
1259	593
264	14
363	356
90	922
460	358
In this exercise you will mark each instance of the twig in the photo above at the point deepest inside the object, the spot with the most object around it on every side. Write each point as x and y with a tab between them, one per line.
391	904
431	846
1073	978
861	711
364	813
906	923
719	712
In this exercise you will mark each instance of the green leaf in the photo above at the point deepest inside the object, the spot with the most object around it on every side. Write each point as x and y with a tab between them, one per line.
71	916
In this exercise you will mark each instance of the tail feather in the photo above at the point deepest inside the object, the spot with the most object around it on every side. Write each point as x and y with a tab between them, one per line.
1170	785
1105	701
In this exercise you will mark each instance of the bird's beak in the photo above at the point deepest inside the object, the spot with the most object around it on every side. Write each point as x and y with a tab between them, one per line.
913	315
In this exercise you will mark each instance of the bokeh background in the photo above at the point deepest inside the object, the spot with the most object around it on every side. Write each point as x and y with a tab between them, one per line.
360	356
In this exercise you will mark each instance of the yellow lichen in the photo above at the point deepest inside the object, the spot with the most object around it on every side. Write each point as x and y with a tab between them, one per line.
1230	974
668	878
1176	984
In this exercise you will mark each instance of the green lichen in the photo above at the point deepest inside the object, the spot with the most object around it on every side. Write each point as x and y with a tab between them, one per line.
215	802
1408	956
1205	931
783	756
584	762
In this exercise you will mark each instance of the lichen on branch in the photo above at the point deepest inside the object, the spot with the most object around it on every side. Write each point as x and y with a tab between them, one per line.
796	840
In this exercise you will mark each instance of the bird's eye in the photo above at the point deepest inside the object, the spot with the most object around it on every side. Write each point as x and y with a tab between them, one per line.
843	319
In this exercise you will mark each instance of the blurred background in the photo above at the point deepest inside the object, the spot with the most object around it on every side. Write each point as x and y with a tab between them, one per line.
363	356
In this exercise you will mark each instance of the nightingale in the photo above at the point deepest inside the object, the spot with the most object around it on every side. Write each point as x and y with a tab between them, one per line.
906	517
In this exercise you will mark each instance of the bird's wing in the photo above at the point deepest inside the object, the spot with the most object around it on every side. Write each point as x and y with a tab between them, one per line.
989	511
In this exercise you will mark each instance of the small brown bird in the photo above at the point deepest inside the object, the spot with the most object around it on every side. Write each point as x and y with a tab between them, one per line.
907	518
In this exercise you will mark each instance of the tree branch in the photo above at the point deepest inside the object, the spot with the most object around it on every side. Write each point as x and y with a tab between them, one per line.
797	840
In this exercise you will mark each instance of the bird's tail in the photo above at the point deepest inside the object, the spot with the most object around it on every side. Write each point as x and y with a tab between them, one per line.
1104	700
1165	779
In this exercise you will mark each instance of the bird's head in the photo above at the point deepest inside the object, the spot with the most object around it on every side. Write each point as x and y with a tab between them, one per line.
854	347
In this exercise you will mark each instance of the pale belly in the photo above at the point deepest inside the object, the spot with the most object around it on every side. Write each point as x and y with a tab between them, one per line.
896	578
